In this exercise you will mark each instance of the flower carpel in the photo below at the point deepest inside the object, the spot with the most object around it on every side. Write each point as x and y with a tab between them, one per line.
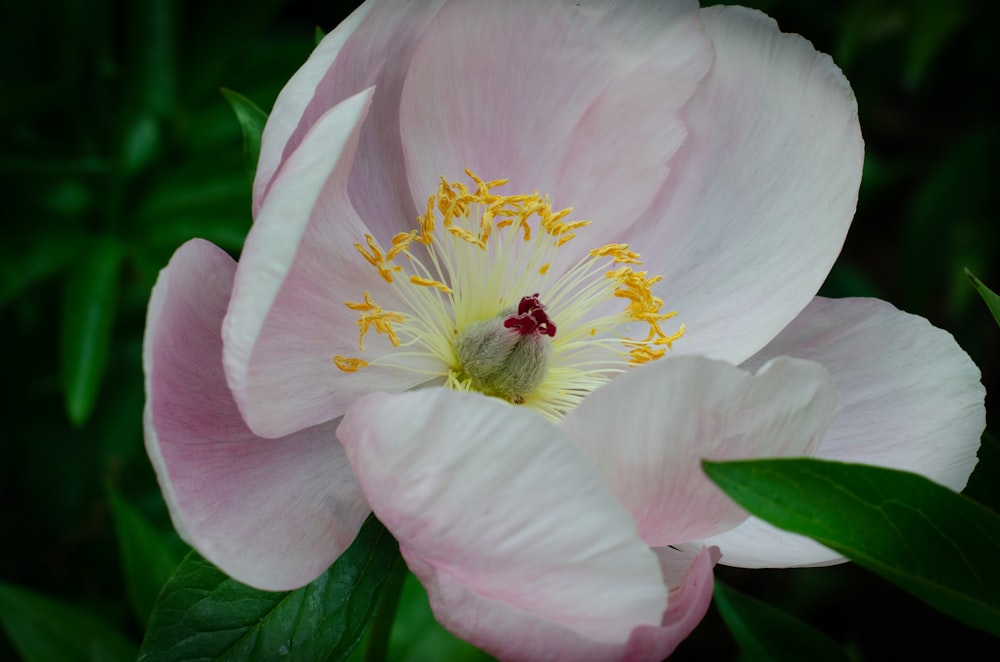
508	355
530	318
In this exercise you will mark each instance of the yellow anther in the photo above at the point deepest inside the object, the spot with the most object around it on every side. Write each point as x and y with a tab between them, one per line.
348	364
426	222
377	258
465	235
429	282
645	354
372	315
556	229
669	340
544	268
618	252
400	242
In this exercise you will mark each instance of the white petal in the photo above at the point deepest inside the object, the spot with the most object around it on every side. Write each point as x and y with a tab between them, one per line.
287	113
577	100
494	498
371	48
649	429
273	513
911	400
287	319
762	192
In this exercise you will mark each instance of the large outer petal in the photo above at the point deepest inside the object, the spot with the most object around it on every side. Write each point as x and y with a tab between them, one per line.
911	400
577	100
649	429
493	504
287	116
273	513
287	319
762	192
371	48
511	635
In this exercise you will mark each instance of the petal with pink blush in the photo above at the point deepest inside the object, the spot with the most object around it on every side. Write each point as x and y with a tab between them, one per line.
494	504
689	576
583	105
287	115
649	429
509	634
287	319
371	48
272	513
762	192
911	399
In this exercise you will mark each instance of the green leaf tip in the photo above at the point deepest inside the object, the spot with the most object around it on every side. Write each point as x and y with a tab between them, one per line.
89	308
938	545
252	120
988	295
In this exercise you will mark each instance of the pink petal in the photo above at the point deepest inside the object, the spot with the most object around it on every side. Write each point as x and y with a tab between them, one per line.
510	634
761	195
287	319
371	48
689	576
649	429
578	102
286	115
493	506
911	400
272	513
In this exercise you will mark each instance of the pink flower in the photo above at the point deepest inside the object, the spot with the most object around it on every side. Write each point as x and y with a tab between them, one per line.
511	394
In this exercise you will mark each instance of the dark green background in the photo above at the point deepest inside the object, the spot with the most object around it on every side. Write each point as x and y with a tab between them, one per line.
117	146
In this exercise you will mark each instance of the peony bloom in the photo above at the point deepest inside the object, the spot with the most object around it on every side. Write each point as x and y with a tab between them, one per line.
516	268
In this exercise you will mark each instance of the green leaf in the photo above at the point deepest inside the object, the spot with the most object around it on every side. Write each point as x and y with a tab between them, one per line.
147	557
926	539
252	120
988	295
765	633
43	629
203	614
88	317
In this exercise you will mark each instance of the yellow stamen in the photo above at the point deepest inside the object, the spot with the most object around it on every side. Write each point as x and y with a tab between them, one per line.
376	258
373	315
429	282
348	364
619	252
481	253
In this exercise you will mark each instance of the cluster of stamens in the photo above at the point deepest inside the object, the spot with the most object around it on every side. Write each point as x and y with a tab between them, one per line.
476	256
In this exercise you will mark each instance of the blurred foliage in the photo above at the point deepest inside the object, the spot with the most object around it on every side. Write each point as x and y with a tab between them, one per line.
117	146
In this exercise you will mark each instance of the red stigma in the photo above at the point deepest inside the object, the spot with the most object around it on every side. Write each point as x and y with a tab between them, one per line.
531	318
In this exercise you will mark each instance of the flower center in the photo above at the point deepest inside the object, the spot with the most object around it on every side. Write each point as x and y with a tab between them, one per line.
461	308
